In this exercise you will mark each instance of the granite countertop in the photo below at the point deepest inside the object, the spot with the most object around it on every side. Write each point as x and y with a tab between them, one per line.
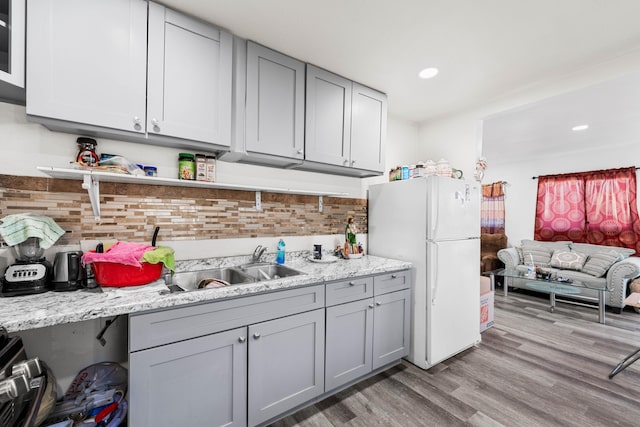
53	308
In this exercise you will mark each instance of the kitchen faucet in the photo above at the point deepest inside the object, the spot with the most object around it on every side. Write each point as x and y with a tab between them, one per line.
257	253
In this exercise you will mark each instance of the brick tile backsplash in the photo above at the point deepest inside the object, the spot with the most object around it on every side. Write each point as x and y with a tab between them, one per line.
131	211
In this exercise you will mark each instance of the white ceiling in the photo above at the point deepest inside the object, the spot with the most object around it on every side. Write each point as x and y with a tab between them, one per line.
485	49
611	110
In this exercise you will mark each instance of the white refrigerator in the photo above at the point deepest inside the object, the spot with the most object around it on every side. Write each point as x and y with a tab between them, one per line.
433	222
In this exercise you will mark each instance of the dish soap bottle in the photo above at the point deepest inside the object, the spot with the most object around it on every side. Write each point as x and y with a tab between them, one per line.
280	254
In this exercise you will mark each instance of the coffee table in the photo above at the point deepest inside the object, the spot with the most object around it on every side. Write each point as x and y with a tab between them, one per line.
552	286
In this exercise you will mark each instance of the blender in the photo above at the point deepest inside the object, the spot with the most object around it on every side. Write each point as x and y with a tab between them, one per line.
31	271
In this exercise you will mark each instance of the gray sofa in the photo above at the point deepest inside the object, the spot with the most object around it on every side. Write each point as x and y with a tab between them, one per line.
577	261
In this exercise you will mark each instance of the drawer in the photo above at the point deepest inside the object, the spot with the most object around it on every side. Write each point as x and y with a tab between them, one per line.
176	324
390	282
349	290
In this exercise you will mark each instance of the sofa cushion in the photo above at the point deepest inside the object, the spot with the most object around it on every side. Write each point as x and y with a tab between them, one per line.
539	255
590	249
599	263
569	260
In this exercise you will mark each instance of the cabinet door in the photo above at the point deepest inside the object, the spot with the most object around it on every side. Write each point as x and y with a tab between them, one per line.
391	327
348	342
189	78
12	45
328	117
197	382
87	61
368	128
286	364
275	103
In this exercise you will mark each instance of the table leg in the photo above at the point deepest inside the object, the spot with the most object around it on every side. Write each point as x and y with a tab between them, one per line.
601	307
552	300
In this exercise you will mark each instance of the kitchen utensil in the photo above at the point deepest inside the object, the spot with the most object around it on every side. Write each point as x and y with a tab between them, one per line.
155	236
68	272
30	273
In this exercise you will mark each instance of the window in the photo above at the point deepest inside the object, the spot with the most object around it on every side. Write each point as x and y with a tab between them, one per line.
598	207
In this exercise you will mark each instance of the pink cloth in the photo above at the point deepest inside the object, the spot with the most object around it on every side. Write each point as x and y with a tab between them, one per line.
128	253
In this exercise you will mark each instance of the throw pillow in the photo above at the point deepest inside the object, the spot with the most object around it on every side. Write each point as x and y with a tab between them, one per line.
540	255
600	262
568	260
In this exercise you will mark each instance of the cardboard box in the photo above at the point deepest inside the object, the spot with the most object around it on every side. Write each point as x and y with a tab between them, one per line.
486	311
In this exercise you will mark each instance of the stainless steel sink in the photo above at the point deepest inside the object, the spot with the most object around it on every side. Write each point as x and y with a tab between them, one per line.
193	280
268	271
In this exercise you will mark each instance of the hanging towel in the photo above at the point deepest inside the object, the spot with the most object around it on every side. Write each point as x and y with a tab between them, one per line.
163	254
128	253
17	228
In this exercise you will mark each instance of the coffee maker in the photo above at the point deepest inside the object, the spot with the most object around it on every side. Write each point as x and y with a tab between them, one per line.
30	273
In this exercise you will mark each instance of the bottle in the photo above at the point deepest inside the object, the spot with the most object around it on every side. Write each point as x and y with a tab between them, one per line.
87	152
186	166
201	167
211	168
280	254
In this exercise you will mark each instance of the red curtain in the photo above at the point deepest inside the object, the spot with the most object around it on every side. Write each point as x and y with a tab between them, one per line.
597	207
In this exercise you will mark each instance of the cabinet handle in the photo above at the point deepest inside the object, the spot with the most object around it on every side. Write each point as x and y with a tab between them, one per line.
300	152
378	303
352	283
256	335
370	305
394	276
136	123
156	126
241	339
353	162
345	162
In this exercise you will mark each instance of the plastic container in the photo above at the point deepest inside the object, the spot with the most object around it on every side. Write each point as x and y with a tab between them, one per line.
211	168
112	274
405	172
186	166
201	167
150	171
280	254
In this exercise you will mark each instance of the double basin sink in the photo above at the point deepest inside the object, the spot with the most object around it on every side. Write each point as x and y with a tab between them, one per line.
228	276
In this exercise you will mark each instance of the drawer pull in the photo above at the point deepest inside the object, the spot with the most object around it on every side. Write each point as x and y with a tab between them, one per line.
394	276
378	303
352	283
370	305
241	339
256	335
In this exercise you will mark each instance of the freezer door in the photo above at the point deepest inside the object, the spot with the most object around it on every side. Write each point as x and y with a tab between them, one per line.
453	209
453	298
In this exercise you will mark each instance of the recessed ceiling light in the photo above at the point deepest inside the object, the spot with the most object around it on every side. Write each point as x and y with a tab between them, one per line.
579	128
428	73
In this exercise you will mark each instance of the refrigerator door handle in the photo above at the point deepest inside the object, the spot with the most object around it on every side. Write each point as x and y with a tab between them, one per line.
434	267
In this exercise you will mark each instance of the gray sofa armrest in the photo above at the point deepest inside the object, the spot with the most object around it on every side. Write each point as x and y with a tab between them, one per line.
617	277
510	257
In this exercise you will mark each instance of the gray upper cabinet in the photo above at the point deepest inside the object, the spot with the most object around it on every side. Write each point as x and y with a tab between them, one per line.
86	62
87	72
368	128
12	50
274	121
197	382
345	126
189	78
328	117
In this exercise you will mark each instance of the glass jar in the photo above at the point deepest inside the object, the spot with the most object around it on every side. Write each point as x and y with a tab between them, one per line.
87	152
186	166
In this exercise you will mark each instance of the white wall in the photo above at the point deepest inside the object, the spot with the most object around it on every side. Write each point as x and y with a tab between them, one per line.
457	138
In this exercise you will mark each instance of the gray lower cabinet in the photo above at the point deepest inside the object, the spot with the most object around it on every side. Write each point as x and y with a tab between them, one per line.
197	382
366	333
286	364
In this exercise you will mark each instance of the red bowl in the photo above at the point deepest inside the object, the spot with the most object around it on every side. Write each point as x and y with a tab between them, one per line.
119	275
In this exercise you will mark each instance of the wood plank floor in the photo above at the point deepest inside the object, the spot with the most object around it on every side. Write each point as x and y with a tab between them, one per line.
533	368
